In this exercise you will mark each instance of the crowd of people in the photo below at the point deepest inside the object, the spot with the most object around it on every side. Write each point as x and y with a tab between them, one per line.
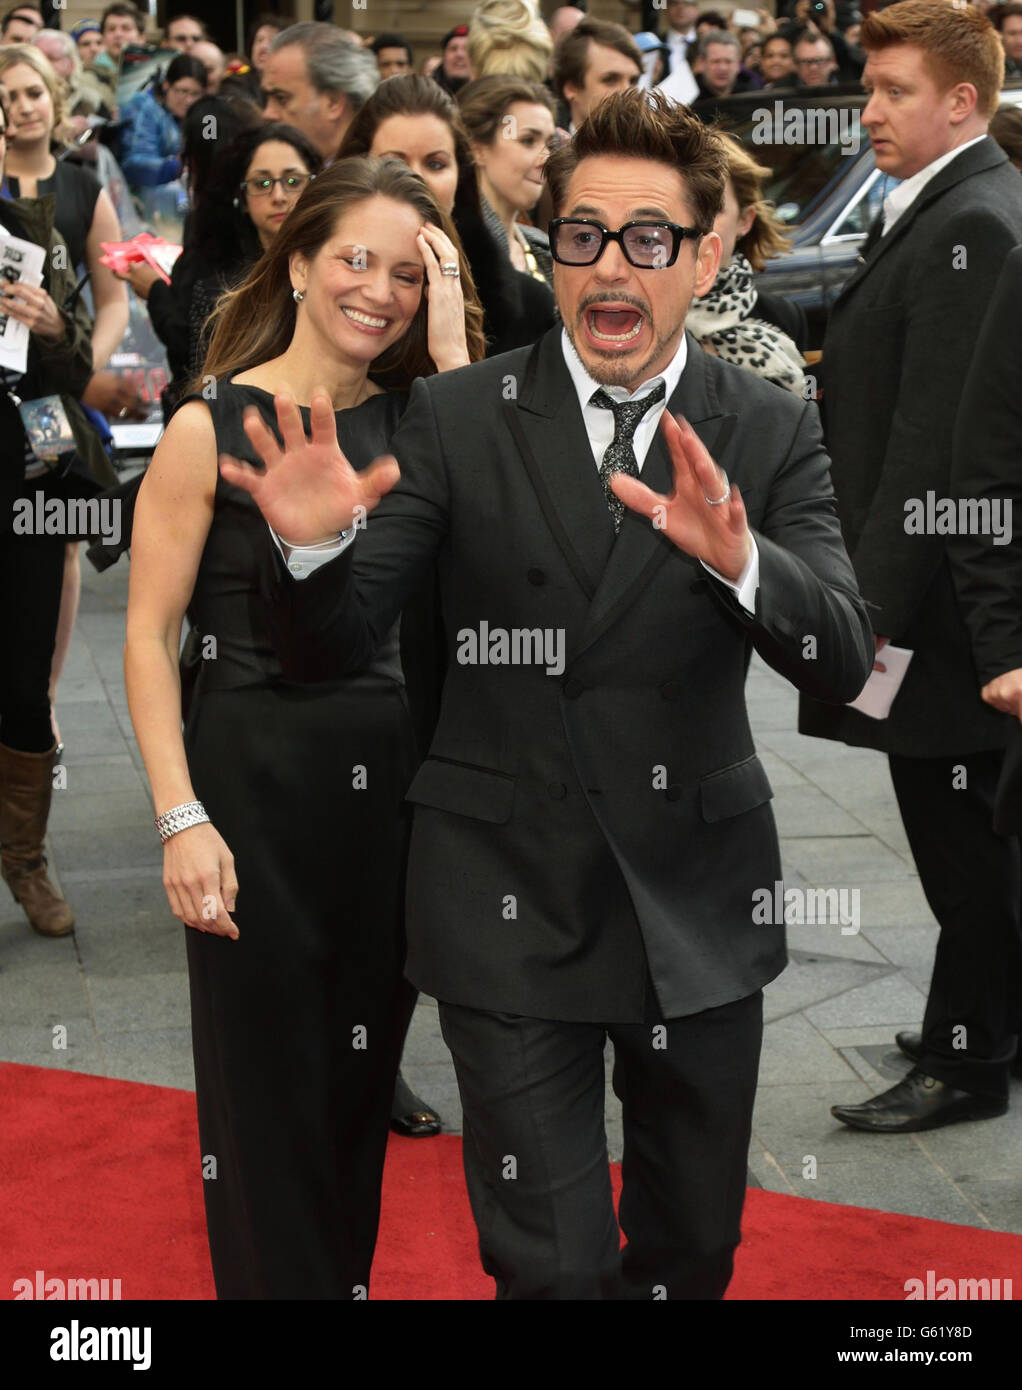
426	288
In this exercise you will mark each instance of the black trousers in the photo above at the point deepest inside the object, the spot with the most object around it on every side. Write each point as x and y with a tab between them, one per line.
972	879
297	1026
31	577
536	1150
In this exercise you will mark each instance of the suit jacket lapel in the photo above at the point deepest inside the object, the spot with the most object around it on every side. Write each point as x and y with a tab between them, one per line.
640	549
546	423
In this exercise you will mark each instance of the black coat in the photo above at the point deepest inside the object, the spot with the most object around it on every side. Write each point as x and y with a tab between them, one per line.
570	825
898	346
987	466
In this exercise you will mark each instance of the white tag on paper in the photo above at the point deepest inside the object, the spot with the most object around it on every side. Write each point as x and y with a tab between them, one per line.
879	691
20	262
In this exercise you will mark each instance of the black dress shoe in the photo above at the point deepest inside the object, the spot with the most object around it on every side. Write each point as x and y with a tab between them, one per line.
919	1102
411	1116
912	1046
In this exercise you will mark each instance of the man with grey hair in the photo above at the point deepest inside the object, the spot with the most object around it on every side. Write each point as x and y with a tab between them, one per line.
316	79
718	71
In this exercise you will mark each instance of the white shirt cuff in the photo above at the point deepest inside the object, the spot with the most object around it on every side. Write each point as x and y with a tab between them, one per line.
303	560
745	586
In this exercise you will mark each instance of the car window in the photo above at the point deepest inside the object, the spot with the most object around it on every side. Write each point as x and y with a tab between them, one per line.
858	219
802	173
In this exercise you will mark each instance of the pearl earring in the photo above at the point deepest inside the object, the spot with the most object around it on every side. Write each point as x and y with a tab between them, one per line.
298	296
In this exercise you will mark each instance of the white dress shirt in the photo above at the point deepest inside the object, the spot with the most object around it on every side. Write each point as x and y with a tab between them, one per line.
900	199
680	83
599	423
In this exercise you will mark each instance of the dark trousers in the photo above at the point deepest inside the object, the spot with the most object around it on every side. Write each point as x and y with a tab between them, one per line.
972	879
31	577
536	1150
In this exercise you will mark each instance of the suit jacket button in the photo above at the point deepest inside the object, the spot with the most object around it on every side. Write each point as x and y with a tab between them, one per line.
557	790
572	688
671	690
673	793
536	577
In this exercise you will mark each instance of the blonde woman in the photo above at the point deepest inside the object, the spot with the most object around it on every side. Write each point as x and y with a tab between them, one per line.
729	321
507	38
85	218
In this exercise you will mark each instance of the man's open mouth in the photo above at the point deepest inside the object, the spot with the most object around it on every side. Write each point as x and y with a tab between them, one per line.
614	325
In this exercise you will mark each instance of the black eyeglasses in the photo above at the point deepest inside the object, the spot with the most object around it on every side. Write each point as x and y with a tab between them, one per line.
290	183
647	245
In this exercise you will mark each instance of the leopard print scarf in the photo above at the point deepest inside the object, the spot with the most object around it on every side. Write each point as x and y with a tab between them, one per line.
724	319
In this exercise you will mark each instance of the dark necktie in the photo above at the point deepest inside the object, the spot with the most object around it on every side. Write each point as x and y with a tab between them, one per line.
873	236
620	456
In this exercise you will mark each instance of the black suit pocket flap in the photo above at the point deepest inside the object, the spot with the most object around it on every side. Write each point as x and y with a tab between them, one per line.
466	790
734	789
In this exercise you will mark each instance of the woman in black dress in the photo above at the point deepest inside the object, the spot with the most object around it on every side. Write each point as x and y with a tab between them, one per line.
296	953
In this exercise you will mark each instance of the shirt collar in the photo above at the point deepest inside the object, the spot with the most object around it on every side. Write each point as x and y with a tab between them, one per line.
900	199
585	385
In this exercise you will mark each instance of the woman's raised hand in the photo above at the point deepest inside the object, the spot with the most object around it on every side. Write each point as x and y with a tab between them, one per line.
445	321
309	492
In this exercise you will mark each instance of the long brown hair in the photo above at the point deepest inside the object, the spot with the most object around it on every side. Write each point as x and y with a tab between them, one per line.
412	95
256	321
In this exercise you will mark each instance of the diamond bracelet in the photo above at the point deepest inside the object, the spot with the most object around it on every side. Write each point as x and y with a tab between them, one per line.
180	818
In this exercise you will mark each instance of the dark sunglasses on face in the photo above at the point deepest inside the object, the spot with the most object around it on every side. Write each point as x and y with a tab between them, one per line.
646	245
290	183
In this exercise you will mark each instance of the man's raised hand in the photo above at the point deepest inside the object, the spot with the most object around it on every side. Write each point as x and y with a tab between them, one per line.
309	491
718	535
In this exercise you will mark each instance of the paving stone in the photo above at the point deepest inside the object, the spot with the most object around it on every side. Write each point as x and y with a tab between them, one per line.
143	1003
806	811
911	1186
42	995
32	1045
794	1123
159	1056
999	1199
793	1051
888	1000
803	984
807	942
845	860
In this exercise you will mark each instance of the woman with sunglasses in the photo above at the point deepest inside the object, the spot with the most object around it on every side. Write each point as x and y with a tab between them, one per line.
281	809
253	186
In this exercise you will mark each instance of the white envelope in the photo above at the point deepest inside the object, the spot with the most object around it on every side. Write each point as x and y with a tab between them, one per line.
879	691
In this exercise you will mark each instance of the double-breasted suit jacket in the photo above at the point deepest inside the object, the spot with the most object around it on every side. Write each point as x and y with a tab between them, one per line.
581	821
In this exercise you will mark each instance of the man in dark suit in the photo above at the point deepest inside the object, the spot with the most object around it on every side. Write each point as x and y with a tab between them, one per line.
896	353
592	822
987	568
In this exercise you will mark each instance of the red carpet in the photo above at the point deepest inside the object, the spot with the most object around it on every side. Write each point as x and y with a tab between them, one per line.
100	1178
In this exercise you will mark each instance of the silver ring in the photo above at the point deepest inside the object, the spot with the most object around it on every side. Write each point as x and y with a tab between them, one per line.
449	268
122	412
717	501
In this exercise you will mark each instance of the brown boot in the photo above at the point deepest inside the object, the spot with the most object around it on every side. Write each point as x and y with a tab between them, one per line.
26	786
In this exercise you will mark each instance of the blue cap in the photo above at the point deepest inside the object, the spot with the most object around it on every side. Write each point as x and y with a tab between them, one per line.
648	42
85	26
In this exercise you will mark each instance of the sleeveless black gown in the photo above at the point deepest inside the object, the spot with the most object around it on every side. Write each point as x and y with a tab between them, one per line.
297	1027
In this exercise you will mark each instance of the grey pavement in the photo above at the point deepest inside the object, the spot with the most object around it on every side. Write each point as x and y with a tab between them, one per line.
119	986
